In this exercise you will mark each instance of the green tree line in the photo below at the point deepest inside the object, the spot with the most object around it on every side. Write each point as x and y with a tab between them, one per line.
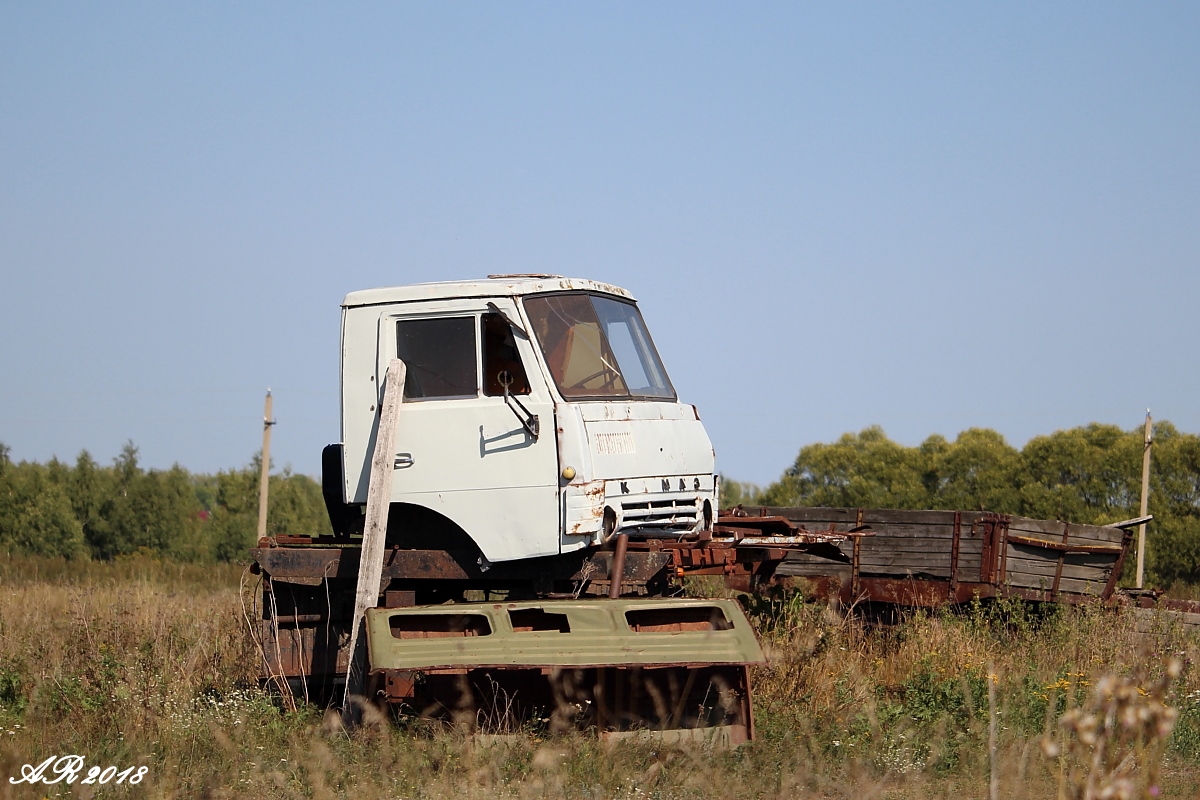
1085	474
1089	474
89	510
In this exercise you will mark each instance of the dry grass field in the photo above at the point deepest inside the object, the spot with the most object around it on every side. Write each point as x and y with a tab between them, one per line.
148	663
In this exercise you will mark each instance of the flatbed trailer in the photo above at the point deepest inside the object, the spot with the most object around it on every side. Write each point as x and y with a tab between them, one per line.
934	558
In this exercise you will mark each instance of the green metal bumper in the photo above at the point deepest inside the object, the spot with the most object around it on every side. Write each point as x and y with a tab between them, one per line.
561	633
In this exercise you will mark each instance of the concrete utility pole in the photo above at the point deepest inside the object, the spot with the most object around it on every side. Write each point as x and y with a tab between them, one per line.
1146	441
266	468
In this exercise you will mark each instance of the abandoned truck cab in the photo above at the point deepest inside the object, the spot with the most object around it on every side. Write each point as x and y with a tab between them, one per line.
537	419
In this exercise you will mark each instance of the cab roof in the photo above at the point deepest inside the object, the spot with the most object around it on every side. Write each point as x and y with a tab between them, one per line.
492	286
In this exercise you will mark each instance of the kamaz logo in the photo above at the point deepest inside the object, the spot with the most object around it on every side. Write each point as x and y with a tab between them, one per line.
665	484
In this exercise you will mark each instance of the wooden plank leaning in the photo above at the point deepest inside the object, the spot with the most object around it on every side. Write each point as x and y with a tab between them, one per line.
379	498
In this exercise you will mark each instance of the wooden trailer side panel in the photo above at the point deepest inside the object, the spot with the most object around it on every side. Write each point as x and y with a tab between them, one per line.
936	557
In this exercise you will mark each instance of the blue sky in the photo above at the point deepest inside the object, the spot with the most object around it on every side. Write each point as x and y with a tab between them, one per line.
924	216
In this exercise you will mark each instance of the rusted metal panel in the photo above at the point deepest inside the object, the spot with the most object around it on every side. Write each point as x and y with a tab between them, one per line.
1062	555
954	551
584	507
739	524
989	568
709	704
902	592
1115	575
856	569
440	565
331	562
1181	606
673	666
562	633
296	649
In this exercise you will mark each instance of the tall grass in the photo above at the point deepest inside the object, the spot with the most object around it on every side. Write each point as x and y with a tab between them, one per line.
145	663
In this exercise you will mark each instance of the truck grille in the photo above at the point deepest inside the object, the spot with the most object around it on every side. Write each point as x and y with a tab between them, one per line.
681	513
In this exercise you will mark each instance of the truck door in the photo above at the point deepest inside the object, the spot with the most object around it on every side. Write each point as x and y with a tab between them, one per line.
463	449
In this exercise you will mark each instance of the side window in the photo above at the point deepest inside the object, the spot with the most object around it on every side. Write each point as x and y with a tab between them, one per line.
440	356
500	358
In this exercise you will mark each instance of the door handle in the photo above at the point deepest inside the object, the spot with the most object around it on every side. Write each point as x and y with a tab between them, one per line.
403	461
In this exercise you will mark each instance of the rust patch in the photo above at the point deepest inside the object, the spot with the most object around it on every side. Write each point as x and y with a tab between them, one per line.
585	521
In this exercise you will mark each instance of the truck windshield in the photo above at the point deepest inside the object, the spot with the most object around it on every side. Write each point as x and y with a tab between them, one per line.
597	346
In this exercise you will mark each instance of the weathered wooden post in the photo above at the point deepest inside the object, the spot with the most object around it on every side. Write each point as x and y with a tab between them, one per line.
264	478
379	500
1146	441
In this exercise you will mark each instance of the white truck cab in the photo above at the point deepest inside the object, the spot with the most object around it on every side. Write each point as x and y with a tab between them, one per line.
537	417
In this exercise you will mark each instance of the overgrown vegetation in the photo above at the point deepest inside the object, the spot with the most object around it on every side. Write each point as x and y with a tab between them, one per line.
120	639
139	661
1090	474
913	700
90	510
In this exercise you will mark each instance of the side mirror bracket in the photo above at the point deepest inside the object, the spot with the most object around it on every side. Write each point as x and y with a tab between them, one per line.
529	422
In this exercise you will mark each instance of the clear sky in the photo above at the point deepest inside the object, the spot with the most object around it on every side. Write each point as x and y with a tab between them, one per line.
924	216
